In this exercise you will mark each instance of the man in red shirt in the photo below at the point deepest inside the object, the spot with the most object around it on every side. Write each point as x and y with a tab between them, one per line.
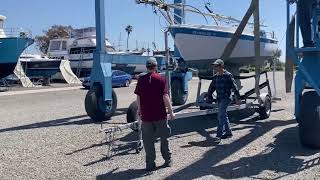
153	99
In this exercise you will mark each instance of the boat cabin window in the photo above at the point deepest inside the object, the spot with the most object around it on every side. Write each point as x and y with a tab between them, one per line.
263	34
64	45
82	50
1	24
55	45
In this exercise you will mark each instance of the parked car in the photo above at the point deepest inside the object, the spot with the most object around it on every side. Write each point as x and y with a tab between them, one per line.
119	78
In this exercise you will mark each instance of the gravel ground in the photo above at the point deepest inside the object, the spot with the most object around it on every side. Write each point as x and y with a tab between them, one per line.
47	135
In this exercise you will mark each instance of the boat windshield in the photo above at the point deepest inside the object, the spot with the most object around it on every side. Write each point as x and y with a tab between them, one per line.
55	45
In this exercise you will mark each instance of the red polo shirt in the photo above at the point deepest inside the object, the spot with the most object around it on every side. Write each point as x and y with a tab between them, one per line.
151	88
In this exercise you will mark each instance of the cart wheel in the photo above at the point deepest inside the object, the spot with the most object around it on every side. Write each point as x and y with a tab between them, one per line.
309	120
265	110
94	103
179	96
139	147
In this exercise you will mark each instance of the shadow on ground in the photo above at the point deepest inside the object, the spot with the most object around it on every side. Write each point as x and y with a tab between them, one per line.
75	120
279	156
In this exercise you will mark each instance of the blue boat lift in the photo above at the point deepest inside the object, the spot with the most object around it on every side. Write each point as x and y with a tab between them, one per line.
307	79
101	100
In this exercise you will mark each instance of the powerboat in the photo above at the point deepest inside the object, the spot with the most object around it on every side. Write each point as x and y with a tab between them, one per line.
79	49
39	66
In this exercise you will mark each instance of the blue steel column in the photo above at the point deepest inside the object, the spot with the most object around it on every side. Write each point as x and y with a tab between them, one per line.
179	17
101	71
100	26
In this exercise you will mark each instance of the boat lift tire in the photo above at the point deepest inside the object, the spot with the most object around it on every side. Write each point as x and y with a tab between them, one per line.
265	110
93	103
179	96
309	120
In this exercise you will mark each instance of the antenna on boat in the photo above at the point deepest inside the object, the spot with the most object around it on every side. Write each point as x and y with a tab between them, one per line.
148	50
119	42
137	45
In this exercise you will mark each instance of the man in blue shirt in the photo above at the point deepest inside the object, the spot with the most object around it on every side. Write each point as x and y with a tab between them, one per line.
223	82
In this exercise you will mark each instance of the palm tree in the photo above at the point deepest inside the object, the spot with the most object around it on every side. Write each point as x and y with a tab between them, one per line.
128	29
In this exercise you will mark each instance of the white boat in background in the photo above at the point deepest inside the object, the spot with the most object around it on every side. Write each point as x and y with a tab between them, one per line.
79	50
201	43
35	65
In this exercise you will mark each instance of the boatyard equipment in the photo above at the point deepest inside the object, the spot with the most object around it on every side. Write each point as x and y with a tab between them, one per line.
101	100
196	109
307	81
250	100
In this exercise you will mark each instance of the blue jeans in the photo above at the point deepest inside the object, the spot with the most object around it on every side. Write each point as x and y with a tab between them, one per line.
223	120
305	15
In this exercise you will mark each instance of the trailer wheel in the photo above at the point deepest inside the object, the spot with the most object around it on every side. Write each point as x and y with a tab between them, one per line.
94	102
309	120
265	110
202	99
179	96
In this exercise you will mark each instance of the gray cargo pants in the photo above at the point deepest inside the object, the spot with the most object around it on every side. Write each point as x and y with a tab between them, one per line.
150	132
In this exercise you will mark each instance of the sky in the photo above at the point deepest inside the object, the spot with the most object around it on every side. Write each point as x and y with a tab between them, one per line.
39	15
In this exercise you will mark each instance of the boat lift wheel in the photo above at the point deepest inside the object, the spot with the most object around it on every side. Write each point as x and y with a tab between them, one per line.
94	104
309	120
179	96
265	110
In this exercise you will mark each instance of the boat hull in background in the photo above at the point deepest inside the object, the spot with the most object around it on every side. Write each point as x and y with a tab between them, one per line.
10	51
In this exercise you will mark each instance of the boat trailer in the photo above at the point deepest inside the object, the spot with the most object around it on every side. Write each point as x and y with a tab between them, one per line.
195	109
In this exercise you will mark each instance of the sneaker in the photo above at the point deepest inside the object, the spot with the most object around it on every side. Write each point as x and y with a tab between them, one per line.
151	167
226	136
167	163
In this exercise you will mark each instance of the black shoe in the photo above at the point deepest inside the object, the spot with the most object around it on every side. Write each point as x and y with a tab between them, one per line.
167	163
227	135
216	140
151	167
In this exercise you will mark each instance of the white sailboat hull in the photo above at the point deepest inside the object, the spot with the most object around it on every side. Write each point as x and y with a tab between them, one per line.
201	44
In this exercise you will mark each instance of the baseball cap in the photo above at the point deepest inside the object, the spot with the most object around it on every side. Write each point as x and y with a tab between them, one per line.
218	62
151	62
